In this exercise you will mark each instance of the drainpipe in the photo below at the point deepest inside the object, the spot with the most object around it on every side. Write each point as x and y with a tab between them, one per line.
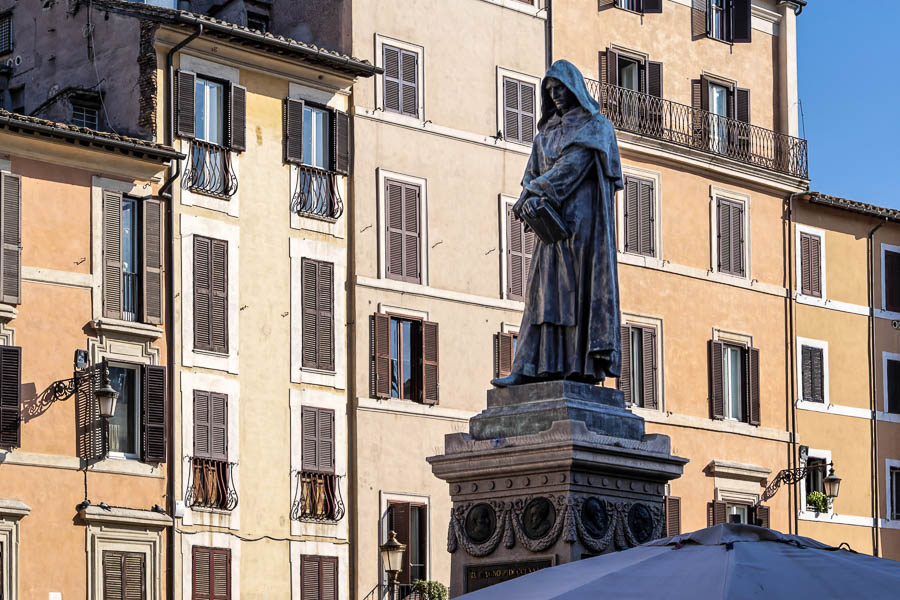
873	402
548	51
165	192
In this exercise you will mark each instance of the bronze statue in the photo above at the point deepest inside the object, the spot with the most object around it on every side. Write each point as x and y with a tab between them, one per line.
570	328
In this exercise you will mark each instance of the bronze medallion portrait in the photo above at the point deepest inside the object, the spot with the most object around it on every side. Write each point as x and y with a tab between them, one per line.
595	517
538	517
640	521
481	523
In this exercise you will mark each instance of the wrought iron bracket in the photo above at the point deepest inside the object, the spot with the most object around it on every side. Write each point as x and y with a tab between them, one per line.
64	389
789	477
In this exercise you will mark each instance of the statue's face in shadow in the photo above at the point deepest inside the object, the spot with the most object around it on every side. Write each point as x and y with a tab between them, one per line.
562	97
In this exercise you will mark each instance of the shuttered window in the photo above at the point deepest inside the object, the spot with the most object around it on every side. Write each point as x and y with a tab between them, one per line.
760	516
638	379
641	6
124	576
810	265
153	420
317	430
318	578
211	574
734	388
893	386
891	281
639	216
716	513
403	252
672	505
725	20
317	293
6	34
10	398
410	522
210	425
504	353
210	294
10	238
730	235
519	251
211	110
405	358
401	81
812	361
518	111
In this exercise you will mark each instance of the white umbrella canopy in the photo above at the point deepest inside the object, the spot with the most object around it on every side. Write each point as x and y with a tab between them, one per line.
731	561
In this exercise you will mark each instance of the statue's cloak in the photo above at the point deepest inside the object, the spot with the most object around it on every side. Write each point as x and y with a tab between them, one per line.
570	327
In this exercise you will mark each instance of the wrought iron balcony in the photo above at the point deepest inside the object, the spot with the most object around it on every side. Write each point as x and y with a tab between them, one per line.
210	484
317	497
316	194
685	125
209	170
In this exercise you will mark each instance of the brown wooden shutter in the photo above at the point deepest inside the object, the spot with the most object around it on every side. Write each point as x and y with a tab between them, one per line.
409	88
10	396
655	79
403	236
400	519
293	131
741	26
154	421
237	118
381	355
646	226
218	426
134	580
815	267
391	64
430	355
219	306
310	438
731	237
112	254
604	4
632	215
612	67
201	575
673	515
201	424
752	370
328	577
893	386
342	143
511	110
724	236
817	368
715	352
624	381
153	253
394	232
113	576
648	340
527	105
892	281
762	516
742	105
504	353
716	513
737	239
325	329
520	246
310	581
699	22
202	292
805	266
652	6
220	574
325	436
309	306
11	257
807	372
411	267
185	90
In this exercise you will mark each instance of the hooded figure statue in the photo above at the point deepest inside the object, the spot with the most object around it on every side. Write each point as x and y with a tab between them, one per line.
570	328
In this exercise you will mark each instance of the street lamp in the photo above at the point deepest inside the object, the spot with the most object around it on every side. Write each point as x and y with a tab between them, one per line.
832	485
106	396
392	559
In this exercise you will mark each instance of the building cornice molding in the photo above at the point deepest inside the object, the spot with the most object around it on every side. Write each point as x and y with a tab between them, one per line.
132	517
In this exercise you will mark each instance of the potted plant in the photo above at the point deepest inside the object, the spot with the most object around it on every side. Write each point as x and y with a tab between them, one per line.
430	590
818	502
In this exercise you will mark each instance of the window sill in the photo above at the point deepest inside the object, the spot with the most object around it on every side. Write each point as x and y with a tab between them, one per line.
8	313
13	509
130	329
211	511
128	466
95	515
323	378
888	417
211	353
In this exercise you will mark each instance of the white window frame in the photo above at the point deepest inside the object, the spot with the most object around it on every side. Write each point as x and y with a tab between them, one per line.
380	42
501	105
337	256
715	193
884	312
655	323
883	414
190	226
11	513
191	381
121	538
819	233
205	134
81	110
384	499
137	413
727	399
811	514
383	175
209	539
656	178
890	463
801	401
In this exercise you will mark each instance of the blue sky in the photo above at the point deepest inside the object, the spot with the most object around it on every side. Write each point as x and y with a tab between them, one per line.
848	55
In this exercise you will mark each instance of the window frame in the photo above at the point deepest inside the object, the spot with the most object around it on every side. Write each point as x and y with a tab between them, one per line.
727	399
885	413
383	176
380	42
655	177
817	454
892	500
716	193
138	250
138	413
887	312
804	402
84	106
424	537
224	85
329	132
419	359
656	324
504	73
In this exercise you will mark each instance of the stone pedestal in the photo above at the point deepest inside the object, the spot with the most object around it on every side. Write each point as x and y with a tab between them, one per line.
550	473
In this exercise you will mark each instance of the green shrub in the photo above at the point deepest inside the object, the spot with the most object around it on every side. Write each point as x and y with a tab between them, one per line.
818	502
430	590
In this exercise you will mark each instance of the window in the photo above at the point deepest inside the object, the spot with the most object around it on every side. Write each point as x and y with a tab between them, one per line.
410	523
124	425
726	511
258	21
730	234
132	254
737	513
504	352
401	80
891	279
519	250
720	110
894	482
728	20
124	575
810	265
85	115
211	477
10	238
734	382
403	250
6	33
319	496
518	111
640	6
640	228
405	361
721	117
812	363
638	380
316	137
211	573
10	396
209	111
210	295
318	578
318	314
630	72
892	377
815	475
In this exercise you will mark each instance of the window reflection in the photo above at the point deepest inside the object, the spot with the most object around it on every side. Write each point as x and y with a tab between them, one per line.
123	424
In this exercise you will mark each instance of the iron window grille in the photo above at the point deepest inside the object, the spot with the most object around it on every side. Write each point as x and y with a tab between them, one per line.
317	497
210	484
210	170
317	194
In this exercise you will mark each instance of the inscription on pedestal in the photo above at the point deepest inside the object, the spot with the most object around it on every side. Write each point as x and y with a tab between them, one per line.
482	576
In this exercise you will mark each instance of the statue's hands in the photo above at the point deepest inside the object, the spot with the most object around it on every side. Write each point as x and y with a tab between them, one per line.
529	206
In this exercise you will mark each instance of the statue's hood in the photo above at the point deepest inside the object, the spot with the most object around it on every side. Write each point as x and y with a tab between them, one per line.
571	77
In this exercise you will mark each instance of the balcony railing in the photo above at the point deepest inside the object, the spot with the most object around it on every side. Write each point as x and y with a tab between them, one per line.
317	497
685	125
209	170
210	484
316	194
131	294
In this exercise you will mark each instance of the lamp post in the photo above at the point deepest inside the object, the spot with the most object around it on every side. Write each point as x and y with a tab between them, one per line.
392	559
106	396
832	482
